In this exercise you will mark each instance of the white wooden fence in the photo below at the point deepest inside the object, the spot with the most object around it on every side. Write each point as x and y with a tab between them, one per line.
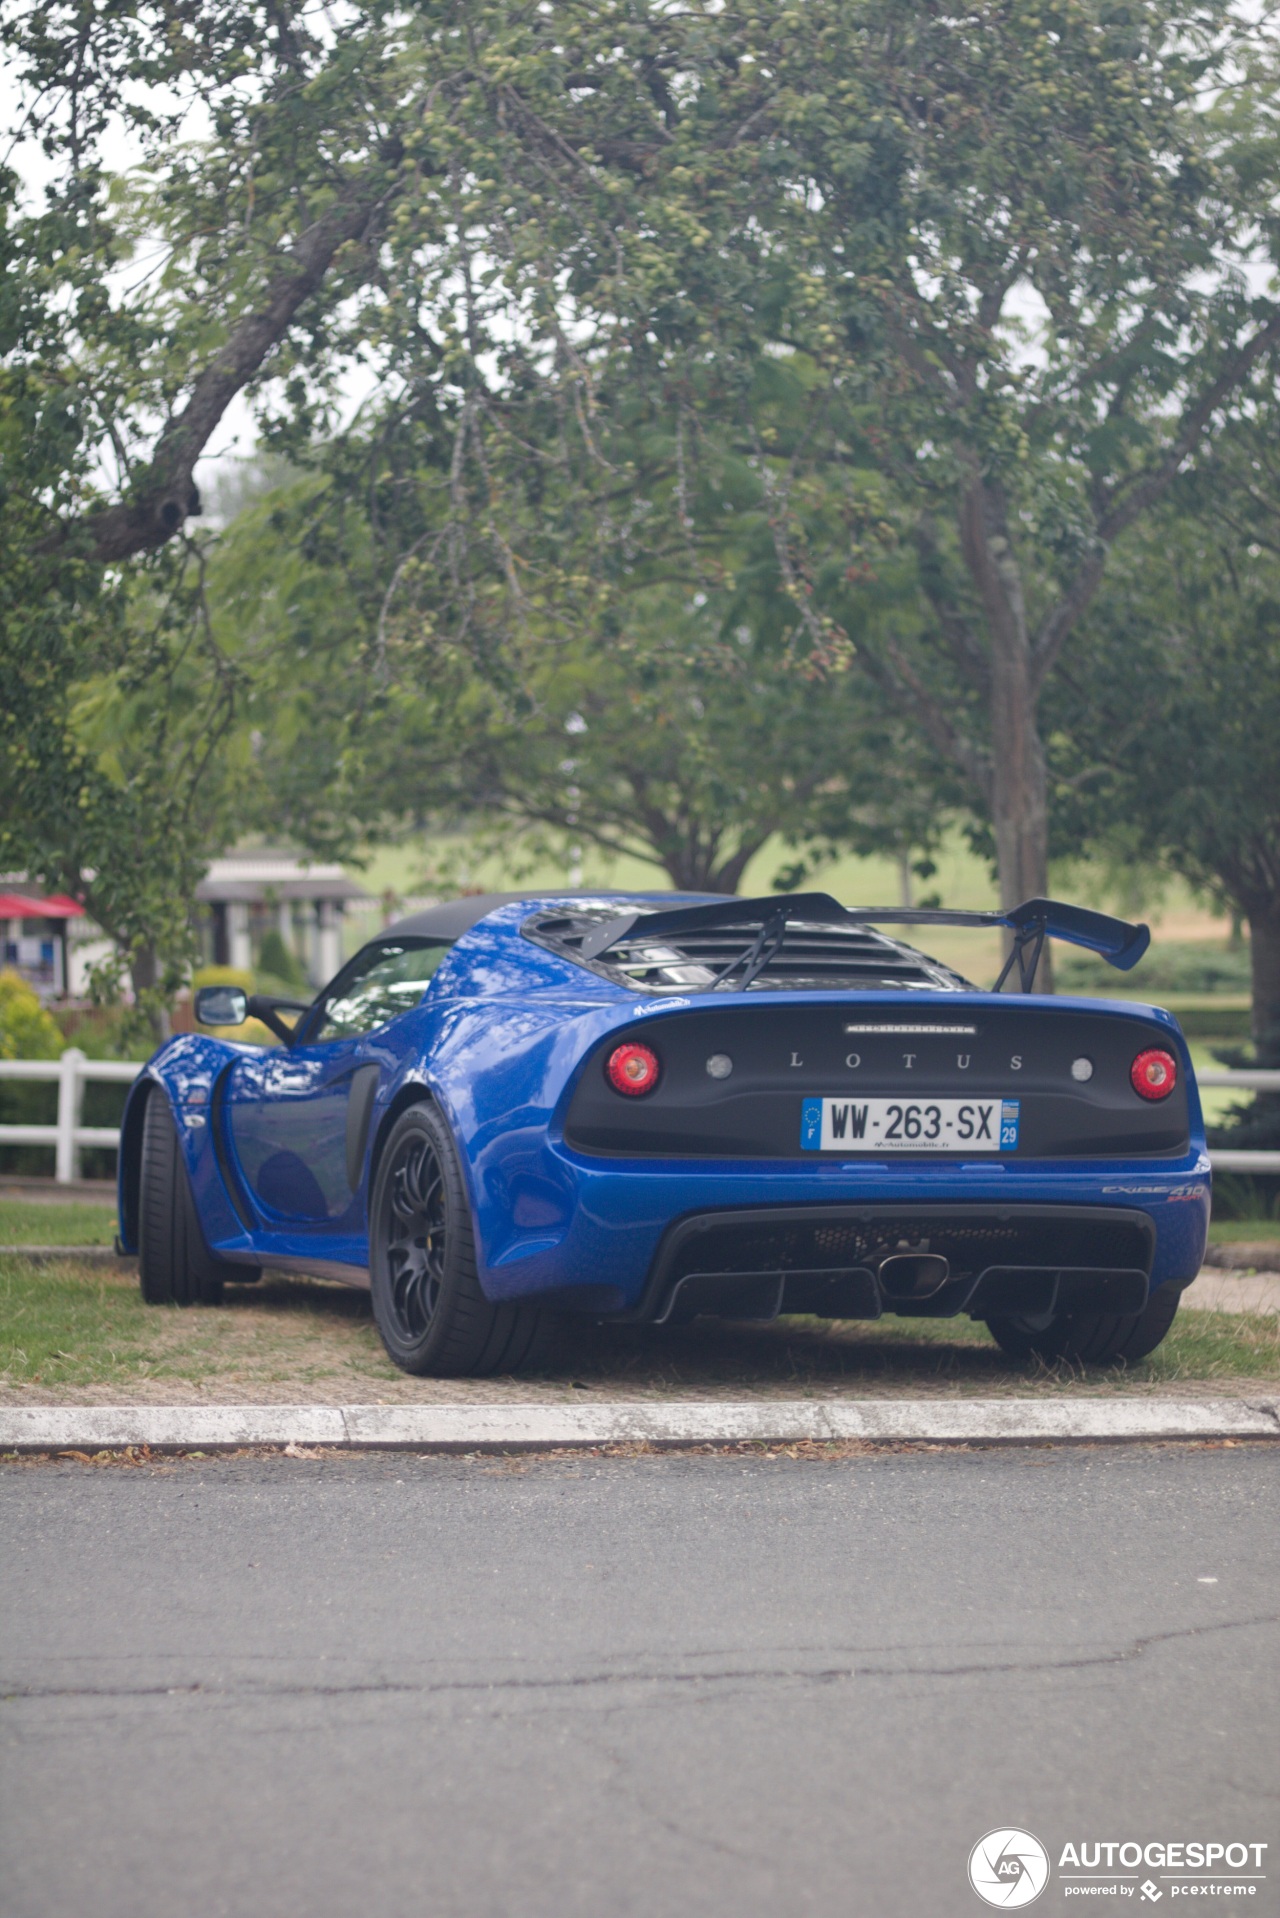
73	1070
1259	1080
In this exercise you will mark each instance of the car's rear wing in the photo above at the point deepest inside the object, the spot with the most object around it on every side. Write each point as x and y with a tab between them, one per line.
1115	940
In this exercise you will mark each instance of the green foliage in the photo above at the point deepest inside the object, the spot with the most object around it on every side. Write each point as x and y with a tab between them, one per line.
1174	707
875	323
683	726
1238	1196
278	963
27	1031
1193	967
101	1032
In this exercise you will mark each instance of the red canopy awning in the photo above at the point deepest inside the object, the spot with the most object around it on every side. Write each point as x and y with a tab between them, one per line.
17	905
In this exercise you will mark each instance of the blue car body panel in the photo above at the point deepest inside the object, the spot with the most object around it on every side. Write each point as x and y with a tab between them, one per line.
500	1040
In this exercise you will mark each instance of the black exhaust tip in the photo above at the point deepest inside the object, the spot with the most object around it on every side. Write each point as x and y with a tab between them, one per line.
913	1275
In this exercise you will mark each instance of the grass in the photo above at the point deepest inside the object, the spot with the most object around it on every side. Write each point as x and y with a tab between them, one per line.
76	1325
1243	1231
74	1332
1200	1346
56	1222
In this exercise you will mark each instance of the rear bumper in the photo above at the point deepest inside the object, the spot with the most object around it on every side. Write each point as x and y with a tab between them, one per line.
928	1262
614	1239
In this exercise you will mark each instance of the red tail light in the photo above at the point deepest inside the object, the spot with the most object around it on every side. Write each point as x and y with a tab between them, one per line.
633	1069
1154	1074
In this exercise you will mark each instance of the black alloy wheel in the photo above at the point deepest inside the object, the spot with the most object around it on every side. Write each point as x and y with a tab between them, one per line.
415	1237
427	1300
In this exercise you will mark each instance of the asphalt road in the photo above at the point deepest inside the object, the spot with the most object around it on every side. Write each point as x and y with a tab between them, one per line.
390	1686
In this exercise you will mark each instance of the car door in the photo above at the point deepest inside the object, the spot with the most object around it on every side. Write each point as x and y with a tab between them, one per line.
297	1115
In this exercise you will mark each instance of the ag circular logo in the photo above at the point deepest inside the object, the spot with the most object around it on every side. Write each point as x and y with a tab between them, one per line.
1008	1868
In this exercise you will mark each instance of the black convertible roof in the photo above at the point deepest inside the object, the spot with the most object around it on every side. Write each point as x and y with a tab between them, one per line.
452	917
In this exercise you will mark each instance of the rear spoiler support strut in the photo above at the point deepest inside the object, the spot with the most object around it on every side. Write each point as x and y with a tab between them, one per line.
1028	944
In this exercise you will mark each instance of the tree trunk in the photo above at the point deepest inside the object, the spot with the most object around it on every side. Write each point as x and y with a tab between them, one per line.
1019	786
1019	801
144	971
695	867
1264	964
727	876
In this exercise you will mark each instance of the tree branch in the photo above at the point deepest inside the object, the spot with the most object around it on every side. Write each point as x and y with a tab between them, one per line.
164	492
1139	495
904	685
958	633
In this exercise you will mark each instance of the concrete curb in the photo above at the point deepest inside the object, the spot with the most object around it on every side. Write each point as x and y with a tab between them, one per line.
478	1428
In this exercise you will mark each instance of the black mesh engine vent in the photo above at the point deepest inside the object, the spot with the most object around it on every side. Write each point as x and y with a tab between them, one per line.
812	957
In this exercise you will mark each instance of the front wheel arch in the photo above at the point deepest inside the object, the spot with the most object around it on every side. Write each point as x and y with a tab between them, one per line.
129	1162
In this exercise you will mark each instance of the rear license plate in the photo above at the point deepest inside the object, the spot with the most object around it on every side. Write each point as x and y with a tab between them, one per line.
909	1125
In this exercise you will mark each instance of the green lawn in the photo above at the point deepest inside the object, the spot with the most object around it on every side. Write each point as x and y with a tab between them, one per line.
1243	1231
1201	1345
77	1325
56	1222
81	1330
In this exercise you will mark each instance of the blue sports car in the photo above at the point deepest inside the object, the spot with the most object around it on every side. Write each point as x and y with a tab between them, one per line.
646	1107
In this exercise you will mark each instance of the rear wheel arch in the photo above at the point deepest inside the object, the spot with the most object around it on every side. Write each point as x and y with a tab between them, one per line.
413	1094
429	1306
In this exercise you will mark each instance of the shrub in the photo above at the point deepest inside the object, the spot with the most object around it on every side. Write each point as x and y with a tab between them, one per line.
279	964
27	1031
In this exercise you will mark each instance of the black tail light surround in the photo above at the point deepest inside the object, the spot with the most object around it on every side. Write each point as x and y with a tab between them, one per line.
668	1096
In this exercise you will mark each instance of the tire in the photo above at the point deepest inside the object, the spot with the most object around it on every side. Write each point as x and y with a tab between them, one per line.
175	1266
427	1302
1091	1338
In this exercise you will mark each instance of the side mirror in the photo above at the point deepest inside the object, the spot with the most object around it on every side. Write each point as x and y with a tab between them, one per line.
221	1006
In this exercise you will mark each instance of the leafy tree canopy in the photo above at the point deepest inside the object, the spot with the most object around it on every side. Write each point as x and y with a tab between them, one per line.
964	290
1172	708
